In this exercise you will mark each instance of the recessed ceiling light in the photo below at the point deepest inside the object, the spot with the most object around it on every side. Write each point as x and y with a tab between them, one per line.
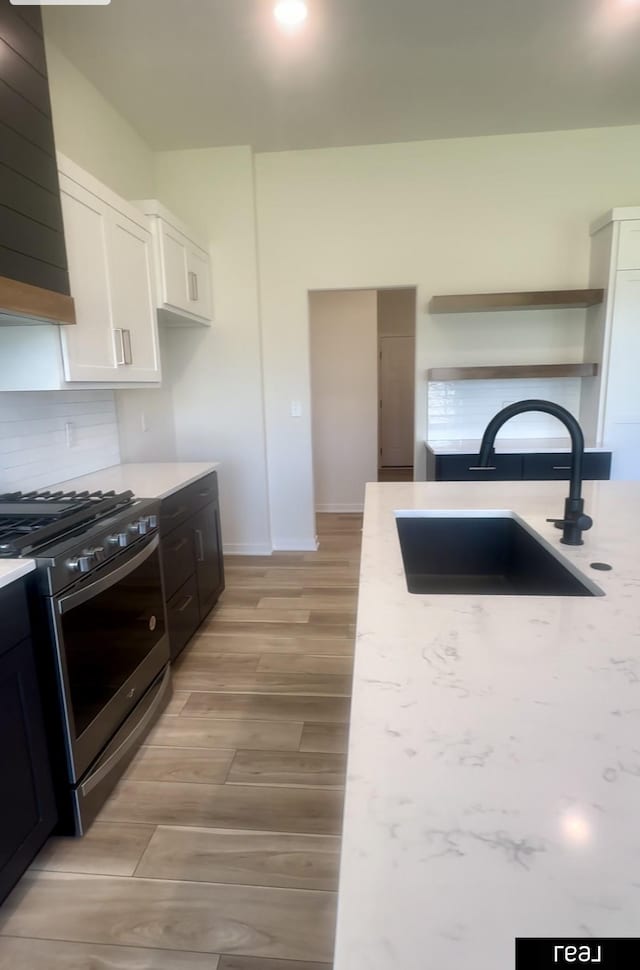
290	13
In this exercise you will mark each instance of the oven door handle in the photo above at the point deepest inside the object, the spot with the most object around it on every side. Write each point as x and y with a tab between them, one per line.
115	576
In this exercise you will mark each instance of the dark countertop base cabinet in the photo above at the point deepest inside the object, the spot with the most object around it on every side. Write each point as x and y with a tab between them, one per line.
524	466
193	568
27	808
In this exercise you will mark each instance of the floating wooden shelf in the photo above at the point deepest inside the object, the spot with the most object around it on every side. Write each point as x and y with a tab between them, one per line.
539	300
510	371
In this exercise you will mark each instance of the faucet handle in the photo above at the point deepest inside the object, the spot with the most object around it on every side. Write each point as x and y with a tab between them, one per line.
583	522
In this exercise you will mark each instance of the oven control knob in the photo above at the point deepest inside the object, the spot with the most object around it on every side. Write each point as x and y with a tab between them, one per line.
120	539
153	521
141	527
80	565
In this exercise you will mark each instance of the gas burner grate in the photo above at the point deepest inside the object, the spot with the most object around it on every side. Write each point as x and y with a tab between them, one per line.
28	520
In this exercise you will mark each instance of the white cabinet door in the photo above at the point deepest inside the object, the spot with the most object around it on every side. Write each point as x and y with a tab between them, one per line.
88	347
174	268
622	412
199	279
629	245
133	309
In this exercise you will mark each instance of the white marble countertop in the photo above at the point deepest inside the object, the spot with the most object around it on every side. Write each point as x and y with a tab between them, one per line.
493	783
507	446
145	479
12	569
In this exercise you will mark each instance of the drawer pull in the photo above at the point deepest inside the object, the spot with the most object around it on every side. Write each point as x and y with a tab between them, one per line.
483	468
200	539
179	545
187	603
562	468
179	511
204	494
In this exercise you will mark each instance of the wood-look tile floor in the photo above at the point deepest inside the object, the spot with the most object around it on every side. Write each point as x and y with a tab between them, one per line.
219	848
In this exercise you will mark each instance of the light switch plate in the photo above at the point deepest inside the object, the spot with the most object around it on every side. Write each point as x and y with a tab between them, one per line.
296	409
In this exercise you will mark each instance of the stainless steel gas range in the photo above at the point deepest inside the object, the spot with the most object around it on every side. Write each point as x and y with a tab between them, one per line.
99	629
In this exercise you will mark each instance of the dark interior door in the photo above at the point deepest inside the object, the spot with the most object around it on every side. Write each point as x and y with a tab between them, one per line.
27	806
208	547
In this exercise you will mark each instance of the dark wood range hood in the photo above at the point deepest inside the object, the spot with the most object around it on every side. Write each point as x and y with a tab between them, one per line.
34	280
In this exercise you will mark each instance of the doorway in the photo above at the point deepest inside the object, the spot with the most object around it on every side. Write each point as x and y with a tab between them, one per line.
396	312
362	363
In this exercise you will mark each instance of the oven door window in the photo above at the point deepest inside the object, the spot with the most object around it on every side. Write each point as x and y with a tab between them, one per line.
109	634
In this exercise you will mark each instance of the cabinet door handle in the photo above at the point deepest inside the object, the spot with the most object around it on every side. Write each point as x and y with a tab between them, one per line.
200	539
482	468
187	603
193	286
120	355
562	468
126	343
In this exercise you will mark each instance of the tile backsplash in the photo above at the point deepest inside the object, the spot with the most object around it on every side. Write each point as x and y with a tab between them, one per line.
462	409
47	437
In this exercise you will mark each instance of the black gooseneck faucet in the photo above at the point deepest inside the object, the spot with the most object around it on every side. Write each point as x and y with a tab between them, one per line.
575	522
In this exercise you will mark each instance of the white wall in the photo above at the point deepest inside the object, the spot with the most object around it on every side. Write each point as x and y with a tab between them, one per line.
344	396
216	373
462	215
90	131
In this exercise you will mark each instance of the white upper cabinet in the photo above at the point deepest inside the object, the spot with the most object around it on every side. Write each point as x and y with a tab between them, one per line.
134	321
183	269
87	347
111	273
114	341
614	331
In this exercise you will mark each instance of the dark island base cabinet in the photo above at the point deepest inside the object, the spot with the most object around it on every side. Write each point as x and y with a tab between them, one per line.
27	808
541	467
193	568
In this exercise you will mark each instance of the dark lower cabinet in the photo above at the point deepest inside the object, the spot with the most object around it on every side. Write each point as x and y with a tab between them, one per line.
27	807
193	568
523	466
209	566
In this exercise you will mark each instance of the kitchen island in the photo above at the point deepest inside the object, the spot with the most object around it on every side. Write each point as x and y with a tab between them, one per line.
493	783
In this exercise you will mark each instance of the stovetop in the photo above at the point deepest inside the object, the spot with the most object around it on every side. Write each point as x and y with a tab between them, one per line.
31	521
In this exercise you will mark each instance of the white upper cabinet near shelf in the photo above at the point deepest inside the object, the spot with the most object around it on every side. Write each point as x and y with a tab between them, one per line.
611	412
629	245
183	269
111	273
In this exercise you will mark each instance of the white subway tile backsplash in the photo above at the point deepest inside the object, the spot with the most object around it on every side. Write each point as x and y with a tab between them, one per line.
462	409
33	437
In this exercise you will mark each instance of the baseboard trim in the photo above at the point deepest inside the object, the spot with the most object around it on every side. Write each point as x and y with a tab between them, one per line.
295	545
355	507
247	549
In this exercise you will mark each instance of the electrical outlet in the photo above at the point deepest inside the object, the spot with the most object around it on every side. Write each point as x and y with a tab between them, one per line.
70	434
296	409
144	425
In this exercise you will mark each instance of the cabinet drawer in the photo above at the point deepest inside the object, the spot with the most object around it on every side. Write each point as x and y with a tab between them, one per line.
183	616
557	467
178	560
13	615
629	245
178	507
464	468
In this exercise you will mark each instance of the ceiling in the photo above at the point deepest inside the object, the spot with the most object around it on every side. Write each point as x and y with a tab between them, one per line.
197	73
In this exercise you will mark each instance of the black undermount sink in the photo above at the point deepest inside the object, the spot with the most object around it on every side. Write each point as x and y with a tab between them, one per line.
482	554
